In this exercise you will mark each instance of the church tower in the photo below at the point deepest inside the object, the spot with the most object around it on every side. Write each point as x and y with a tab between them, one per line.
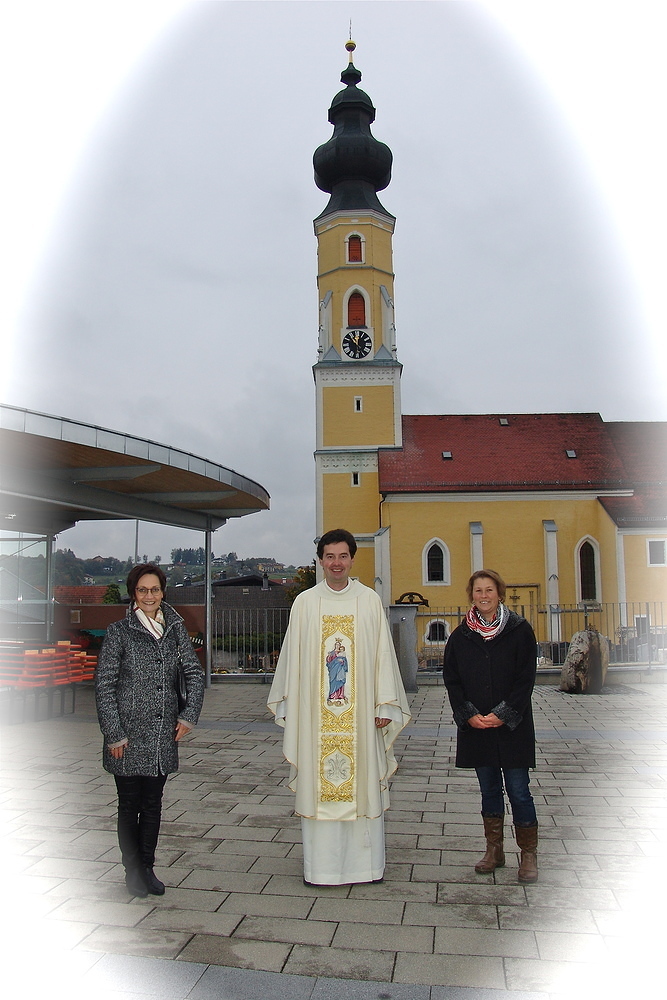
357	375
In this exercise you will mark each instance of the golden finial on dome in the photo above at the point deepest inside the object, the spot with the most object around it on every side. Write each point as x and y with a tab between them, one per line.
350	45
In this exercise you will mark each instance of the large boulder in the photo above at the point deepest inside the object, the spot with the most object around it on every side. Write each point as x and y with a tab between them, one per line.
586	663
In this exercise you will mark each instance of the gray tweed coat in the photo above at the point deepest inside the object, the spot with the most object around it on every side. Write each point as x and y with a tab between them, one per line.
135	690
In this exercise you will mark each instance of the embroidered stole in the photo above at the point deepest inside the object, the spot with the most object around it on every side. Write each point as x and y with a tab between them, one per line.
337	710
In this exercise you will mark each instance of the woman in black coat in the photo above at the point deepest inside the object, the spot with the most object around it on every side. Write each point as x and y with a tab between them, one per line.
137	707
489	671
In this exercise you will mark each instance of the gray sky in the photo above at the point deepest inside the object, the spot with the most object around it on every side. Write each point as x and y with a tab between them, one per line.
172	292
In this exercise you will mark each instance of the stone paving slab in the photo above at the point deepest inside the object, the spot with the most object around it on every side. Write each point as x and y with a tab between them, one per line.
233	984
341	963
237	923
213	949
150	977
137	941
196	921
288	929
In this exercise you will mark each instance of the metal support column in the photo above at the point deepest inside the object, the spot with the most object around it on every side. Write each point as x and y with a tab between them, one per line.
50	569
208	601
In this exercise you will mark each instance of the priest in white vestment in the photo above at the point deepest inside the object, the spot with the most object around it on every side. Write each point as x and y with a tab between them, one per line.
338	693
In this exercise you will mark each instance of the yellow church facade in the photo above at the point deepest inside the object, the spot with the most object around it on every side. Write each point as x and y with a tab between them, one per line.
571	510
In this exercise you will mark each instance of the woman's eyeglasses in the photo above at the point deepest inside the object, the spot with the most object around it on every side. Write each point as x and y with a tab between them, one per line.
142	591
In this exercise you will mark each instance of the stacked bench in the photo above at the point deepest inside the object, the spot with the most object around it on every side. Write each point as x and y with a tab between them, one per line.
43	675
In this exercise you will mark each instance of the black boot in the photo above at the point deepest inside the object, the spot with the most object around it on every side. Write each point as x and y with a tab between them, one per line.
129	802
153	884
149	828
134	880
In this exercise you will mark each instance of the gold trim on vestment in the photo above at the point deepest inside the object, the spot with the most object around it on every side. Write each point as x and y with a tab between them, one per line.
337	766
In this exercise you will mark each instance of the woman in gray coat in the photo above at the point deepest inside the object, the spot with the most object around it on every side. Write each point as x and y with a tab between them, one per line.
137	707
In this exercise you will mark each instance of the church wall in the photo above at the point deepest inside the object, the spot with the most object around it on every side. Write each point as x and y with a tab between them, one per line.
580	520
513	544
344	426
364	565
599	526
643	582
352	507
412	526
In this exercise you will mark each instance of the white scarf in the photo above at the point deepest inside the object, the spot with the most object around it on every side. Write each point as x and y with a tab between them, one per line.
153	625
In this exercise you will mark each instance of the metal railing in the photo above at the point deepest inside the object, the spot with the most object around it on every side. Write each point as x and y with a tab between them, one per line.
637	632
247	640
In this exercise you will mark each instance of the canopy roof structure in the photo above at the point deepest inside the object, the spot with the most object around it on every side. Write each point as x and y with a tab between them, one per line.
57	471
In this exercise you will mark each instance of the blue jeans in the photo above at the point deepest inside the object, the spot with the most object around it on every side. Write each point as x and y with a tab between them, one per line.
517	780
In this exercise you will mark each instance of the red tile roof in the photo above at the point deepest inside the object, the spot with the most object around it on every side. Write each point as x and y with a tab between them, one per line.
528	453
643	450
86	594
642	447
642	510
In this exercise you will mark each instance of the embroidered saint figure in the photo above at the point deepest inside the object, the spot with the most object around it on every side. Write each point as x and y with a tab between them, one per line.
337	668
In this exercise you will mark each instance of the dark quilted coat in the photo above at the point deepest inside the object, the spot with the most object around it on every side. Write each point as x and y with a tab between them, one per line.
495	676
135	689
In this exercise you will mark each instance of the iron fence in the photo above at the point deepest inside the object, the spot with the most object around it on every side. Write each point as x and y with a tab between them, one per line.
637	632
247	640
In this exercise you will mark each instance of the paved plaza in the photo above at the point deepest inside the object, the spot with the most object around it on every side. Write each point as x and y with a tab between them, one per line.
237	922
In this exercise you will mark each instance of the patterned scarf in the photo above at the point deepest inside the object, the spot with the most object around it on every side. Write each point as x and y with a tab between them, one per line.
487	630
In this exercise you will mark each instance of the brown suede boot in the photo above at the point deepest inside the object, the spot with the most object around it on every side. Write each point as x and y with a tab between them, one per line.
526	838
495	856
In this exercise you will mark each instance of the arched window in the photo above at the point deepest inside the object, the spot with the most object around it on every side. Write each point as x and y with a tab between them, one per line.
354	250
435	564
356	310
587	569
587	572
436	632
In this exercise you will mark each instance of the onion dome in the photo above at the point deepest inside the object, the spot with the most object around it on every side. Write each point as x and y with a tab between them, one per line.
353	165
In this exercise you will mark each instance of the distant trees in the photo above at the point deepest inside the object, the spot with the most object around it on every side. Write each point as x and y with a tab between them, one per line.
187	564
68	570
32	569
304	579
188	557
103	564
112	595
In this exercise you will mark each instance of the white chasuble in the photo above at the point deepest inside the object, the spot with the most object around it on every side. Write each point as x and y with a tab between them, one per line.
336	673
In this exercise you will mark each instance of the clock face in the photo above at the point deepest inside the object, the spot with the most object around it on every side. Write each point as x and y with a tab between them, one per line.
357	344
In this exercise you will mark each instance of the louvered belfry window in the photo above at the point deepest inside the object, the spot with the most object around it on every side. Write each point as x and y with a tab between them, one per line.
356	310
354	249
